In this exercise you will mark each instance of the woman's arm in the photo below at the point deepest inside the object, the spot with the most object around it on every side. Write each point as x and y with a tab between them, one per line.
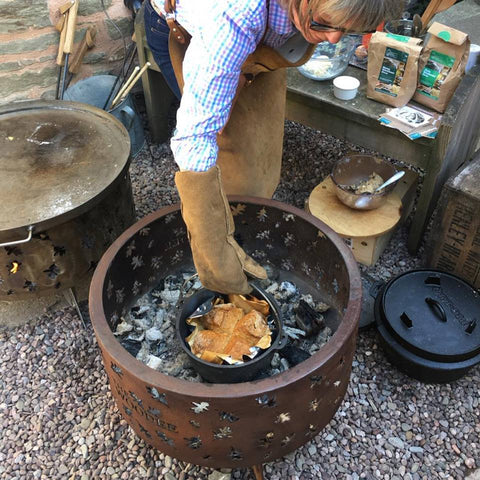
211	71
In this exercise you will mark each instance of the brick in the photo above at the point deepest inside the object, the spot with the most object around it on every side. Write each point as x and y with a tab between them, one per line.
124	24
23	14
89	7
27	80
40	42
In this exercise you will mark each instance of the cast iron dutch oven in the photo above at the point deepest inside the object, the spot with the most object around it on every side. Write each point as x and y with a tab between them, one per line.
246	371
428	324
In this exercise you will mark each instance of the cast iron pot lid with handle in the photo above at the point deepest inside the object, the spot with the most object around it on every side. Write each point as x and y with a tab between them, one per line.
59	159
428	324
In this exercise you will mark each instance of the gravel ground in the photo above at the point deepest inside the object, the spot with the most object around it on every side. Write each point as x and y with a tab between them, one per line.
58	419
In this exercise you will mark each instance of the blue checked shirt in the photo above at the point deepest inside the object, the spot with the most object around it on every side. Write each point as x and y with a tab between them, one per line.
223	34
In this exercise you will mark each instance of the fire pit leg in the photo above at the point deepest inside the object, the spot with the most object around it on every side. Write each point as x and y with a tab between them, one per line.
258	471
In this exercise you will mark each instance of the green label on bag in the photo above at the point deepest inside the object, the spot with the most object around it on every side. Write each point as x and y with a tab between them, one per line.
399	38
434	74
391	72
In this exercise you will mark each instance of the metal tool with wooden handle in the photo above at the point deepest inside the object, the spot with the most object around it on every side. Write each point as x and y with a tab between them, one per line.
61	26
86	44
124	86
66	6
68	45
122	95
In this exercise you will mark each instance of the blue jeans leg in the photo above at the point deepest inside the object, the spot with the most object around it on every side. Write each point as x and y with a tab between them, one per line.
157	31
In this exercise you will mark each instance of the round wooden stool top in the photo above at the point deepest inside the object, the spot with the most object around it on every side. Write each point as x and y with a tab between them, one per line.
347	222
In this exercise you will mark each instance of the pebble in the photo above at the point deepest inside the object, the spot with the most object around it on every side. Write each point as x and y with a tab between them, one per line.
62	469
416	449
84	450
85	423
396	442
470	462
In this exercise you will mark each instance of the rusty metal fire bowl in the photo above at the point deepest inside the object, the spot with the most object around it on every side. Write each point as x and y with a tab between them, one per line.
243	424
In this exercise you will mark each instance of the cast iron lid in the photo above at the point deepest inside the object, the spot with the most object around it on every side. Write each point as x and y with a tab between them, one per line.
56	157
433	314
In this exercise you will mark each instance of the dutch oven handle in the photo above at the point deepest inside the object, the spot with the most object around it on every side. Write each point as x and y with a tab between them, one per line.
436	305
18	242
282	343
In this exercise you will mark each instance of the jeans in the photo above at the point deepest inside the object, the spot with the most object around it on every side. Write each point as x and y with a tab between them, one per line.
157	31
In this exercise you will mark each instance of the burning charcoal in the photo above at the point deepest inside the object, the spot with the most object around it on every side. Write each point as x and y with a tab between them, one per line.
131	346
144	353
136	336
142	323
170	296
288	289
310	321
284	365
160	316
123	327
153	334
309	299
294	355
272	288
293	333
139	311
153	312
322	307
154	362
275	360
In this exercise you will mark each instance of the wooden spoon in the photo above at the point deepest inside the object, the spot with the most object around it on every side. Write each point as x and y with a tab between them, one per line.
417	25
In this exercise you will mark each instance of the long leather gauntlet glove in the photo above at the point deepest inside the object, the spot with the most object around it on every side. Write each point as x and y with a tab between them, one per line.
220	262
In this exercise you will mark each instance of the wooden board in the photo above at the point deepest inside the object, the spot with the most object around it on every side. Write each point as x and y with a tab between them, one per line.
347	222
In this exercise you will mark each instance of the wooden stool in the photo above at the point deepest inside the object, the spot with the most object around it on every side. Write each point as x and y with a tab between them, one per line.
367	232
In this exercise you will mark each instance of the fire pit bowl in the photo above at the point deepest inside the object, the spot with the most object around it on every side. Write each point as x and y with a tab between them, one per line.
214	373
242	424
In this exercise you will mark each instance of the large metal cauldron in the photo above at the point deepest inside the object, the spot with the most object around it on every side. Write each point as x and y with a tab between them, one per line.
65	194
248	423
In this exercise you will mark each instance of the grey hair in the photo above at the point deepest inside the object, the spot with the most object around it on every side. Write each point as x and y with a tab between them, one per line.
360	15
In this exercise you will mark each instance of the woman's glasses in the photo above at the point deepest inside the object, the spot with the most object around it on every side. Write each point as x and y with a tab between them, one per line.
321	27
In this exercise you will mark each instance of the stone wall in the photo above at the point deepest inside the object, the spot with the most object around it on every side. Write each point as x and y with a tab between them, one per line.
29	44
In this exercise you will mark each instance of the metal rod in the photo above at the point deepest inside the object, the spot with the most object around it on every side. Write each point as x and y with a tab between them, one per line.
18	242
72	299
59	78
64	79
132	51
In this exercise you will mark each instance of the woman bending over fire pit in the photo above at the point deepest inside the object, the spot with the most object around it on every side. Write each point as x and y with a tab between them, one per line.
226	60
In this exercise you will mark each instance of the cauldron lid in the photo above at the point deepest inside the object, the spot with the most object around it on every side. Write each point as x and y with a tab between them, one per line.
432	314
58	160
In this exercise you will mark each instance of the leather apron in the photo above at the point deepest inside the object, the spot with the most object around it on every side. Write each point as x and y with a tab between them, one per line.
250	145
